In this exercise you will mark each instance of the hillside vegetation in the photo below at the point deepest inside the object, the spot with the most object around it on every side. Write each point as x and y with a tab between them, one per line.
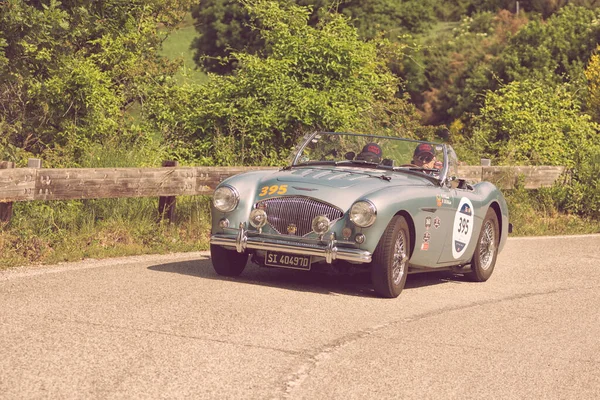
127	83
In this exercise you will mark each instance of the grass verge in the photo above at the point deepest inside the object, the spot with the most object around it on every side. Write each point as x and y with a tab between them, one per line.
48	233
52	232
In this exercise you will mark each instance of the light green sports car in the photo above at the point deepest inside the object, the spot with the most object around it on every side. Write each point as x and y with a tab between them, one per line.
392	206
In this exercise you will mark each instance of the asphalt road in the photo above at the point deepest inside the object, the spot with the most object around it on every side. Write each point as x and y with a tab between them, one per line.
169	327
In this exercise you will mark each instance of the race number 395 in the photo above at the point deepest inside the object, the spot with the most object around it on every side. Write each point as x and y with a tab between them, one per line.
463	227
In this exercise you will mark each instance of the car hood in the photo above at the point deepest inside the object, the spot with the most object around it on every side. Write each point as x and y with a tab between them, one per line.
339	186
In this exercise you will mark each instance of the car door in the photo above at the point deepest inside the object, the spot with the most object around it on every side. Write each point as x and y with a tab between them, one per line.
432	225
462	227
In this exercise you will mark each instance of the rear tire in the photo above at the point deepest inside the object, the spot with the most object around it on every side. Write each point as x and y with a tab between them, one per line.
227	262
389	267
484	259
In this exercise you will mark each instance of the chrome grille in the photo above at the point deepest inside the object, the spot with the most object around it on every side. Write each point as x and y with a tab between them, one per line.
283	211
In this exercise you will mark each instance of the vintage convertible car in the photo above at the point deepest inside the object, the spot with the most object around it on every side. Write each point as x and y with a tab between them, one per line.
393	206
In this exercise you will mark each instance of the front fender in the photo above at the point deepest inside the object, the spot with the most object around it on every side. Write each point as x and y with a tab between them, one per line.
392	201
495	199
247	188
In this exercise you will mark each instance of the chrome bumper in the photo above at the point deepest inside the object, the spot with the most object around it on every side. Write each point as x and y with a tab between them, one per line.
241	241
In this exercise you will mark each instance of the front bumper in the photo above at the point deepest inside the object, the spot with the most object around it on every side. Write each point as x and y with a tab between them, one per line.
326	248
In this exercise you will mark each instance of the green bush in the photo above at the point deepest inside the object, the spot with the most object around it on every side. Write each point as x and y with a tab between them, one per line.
313	78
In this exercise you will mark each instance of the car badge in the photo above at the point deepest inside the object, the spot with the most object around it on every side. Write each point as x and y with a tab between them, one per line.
291	229
427	222
305	189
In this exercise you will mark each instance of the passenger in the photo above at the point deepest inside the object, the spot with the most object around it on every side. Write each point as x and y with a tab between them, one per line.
371	153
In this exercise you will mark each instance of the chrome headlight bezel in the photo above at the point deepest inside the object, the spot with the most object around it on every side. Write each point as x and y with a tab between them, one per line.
363	213
226	198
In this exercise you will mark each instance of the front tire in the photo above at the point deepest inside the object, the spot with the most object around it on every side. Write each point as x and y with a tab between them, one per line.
484	259
227	262
389	267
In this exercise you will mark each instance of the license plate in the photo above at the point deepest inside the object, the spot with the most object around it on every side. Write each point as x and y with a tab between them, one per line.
286	260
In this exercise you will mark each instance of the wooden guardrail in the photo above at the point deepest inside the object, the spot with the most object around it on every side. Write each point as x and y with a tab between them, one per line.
28	184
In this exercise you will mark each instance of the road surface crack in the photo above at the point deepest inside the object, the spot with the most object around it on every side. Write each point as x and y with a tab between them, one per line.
323	353
172	334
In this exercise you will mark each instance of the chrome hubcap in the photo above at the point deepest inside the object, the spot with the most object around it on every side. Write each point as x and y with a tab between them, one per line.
400	258
487	246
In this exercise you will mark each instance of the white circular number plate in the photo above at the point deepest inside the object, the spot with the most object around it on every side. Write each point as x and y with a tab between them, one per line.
463	227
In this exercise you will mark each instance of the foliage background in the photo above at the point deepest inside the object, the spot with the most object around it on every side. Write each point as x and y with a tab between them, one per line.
107	84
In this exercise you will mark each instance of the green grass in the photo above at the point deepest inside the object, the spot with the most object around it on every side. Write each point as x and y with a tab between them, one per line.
178	46
51	232
531	216
48	232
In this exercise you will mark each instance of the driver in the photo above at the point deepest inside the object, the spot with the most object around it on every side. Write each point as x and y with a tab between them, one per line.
424	156
371	153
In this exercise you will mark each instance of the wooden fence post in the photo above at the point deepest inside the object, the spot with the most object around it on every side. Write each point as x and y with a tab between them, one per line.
166	204
34	163
6	208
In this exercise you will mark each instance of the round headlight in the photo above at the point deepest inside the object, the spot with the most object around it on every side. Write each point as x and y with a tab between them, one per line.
225	198
363	213
258	218
320	224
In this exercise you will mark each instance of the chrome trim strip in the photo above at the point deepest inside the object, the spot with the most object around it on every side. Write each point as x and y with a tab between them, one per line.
293	240
330	252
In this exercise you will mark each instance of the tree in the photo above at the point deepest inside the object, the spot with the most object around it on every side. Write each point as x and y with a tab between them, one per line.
534	123
224	25
558	47
69	70
457	68
592	74
484	52
322	77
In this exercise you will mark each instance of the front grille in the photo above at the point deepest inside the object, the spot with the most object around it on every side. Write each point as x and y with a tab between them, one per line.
283	211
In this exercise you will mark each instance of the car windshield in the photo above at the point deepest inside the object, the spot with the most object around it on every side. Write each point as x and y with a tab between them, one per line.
368	151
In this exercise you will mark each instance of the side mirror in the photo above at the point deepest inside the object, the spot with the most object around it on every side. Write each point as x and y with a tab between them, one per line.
453	182
350	155
458	183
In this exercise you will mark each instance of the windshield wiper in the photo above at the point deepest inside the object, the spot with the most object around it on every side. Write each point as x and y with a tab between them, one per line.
383	177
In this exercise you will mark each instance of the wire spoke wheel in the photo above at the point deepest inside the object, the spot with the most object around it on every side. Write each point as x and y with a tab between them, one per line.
389	267
399	265
487	246
484	258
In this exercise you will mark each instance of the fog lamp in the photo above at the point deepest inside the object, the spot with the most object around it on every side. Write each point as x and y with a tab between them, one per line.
360	238
320	224
258	218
